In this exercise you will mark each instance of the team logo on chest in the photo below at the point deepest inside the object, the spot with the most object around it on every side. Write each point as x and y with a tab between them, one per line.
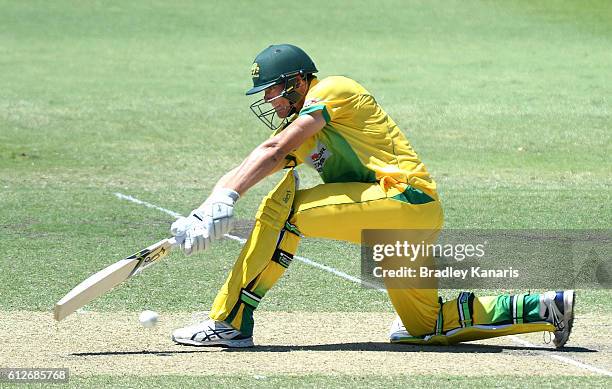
318	156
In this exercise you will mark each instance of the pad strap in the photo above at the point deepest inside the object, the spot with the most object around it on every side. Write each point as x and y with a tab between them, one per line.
283	258
440	320
518	311
293	229
249	298
465	306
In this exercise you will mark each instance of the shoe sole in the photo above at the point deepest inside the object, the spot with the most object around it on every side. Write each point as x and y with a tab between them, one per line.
231	343
569	299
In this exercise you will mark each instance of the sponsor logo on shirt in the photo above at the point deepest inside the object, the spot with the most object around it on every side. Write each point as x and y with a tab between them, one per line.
318	156
310	102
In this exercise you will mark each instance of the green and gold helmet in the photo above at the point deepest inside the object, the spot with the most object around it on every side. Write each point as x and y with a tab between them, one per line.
277	63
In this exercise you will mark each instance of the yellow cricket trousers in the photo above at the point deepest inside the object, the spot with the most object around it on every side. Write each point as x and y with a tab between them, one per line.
341	211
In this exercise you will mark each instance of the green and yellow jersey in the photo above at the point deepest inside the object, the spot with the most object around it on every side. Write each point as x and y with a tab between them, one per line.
360	142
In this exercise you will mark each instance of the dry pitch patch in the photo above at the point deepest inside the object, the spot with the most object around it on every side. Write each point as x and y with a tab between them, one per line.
96	343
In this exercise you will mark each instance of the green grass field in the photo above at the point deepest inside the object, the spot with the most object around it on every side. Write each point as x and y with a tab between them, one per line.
507	103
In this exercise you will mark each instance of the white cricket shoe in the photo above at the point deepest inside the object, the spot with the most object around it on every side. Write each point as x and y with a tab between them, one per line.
560	312
398	331
211	333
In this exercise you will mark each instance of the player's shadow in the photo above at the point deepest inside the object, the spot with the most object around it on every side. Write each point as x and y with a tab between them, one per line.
408	348
356	346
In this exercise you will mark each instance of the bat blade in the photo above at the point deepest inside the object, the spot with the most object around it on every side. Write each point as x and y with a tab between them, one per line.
109	277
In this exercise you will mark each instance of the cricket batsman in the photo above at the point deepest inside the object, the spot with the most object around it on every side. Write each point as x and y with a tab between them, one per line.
372	179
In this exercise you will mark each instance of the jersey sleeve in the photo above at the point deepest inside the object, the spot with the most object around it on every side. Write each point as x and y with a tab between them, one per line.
335	97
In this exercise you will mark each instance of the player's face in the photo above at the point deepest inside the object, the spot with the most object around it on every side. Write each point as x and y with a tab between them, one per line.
280	104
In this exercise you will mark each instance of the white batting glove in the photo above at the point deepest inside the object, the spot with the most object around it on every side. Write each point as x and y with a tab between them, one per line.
197	239
192	233
211	220
219	207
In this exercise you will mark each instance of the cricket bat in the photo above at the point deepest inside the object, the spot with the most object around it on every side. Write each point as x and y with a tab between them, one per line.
111	276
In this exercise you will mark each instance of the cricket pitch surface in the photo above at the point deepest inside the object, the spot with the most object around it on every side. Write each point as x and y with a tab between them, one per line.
112	343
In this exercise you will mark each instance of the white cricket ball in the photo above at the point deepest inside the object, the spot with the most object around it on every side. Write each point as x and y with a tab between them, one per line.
148	319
